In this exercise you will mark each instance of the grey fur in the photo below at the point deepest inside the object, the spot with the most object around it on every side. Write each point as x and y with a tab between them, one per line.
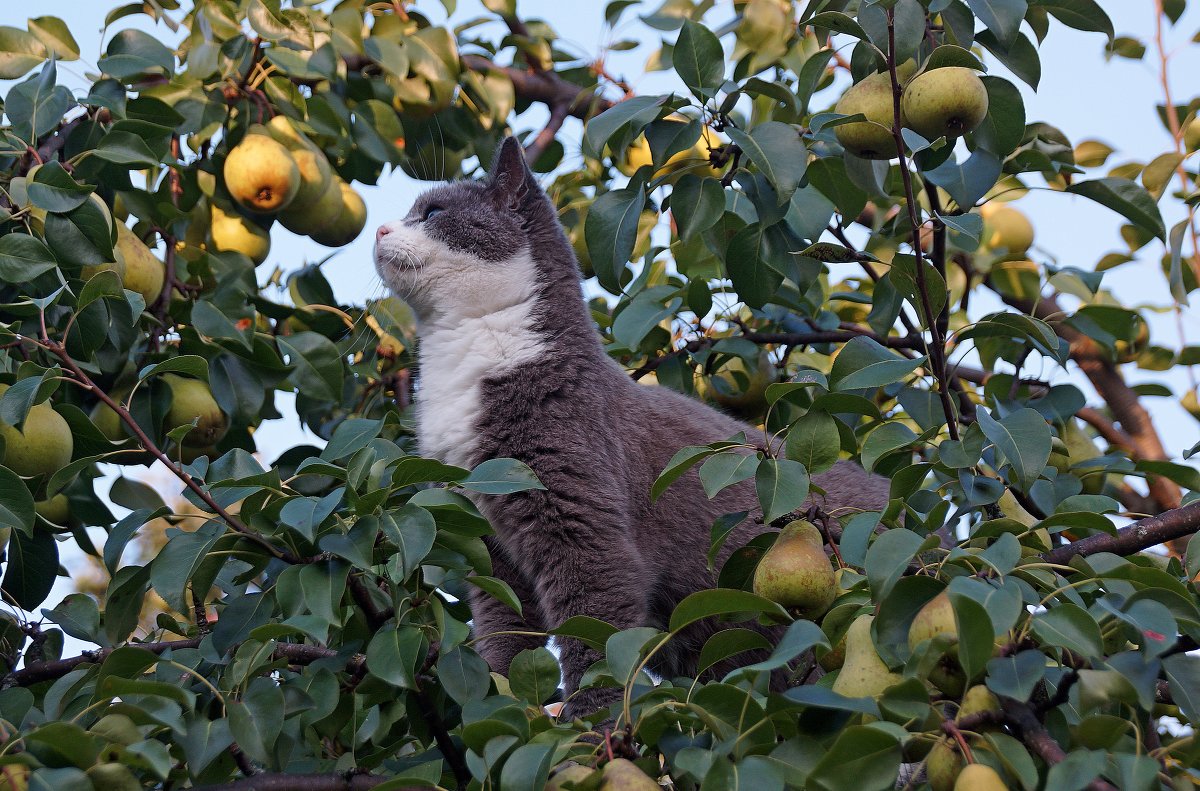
592	543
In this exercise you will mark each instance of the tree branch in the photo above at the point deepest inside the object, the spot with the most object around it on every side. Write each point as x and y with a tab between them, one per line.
558	114
1038	739
1142	534
545	87
311	782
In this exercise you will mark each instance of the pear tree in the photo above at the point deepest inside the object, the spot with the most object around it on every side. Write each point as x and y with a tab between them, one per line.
816	219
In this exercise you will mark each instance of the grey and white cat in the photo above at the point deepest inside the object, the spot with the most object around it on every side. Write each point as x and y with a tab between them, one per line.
511	365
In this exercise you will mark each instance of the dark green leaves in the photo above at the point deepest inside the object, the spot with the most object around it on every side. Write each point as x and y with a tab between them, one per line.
53	189
316	364
611	231
864	363
699	59
1002	17
747	262
1024	439
32	566
1126	198
23	258
782	486
777	150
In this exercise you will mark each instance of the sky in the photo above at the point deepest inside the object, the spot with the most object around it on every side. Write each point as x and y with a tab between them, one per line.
1081	93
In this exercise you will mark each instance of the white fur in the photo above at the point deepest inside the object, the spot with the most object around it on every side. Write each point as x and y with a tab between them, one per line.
474	321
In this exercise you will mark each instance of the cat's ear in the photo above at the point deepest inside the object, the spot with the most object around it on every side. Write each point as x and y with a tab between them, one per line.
510	178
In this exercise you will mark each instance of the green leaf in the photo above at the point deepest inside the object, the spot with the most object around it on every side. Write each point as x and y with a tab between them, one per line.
888	557
53	189
501	476
586	629
32	567
16	503
838	23
778	151
1016	676
316	364
242	616
722	601
746	261
528	767
192	365
1024	438
1183	678
498	589
1067	625
172	569
814	441
610	231
1077	770
412	530
634	113
696	204
125	148
534	675
1126	198
726	469
256	720
976	640
862	758
782	486
904	278
19	52
56	36
683	460
699	59
463	674
864	363
24	258
1002	17
393	653
351	436
1080	14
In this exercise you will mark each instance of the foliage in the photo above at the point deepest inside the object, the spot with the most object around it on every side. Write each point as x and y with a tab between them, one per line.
314	623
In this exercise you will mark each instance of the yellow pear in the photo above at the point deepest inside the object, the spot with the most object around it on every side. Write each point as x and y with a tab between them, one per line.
113	776
144	273
43	446
872	138
1006	228
946	102
231	232
943	765
1191	135
691	160
571	773
621	774
260	174
14	777
347	222
56	510
863	673
935	618
314	169
976	700
91	270
979	777
796	573
192	400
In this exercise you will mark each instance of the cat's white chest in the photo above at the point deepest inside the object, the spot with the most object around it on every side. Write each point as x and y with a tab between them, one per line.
454	362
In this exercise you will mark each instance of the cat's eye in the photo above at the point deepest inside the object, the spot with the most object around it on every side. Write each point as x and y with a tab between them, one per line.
431	211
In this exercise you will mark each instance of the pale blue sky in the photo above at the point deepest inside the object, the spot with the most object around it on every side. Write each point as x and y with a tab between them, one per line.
1081	93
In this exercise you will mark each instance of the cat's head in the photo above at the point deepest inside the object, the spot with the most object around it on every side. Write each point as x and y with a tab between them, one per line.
466	248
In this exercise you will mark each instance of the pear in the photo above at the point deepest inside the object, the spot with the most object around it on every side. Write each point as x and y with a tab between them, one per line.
116	728
14	777
975	700
870	139
113	777
935	618
192	400
945	102
347	221
56	510
621	774
979	777
796	573
1006	228
863	673
89	271
260	174
314	169
1128	352
1080	448
231	232
1191	135
690	160
943	766
144	273
43	446
571	773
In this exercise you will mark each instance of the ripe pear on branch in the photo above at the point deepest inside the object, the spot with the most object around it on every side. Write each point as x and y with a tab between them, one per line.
1006	229
191	400
42	446
621	774
946	102
936	619
872	138
260	174
796	573
144	273
863	673
229	231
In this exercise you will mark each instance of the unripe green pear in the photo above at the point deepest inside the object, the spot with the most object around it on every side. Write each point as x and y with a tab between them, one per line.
979	777
192	400
116	728
943	766
976	700
796	573
43	446
1191	135
621	774
144	273
935	618
260	174
56	509
113	777
863	673
872	138
348	218
946	102
571	773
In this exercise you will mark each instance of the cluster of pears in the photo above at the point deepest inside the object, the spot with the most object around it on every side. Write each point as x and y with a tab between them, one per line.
1008	235
946	102
619	774
946	769
276	171
42	446
191	401
691	160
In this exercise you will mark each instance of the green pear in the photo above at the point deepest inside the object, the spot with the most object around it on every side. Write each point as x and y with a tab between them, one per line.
56	510
43	445
796	573
946	102
621	774
1191	135
348	218
314	169
943	765
113	777
979	777
935	618
260	174
229	231
863	673
192	400
976	700
144	273
571	773
872	138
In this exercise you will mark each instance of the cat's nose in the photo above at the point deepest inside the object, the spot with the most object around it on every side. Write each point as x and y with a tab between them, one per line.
381	232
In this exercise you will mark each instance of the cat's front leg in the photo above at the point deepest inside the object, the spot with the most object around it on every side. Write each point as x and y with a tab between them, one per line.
490	616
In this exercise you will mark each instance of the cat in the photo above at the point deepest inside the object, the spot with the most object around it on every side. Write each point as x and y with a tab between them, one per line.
511	365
